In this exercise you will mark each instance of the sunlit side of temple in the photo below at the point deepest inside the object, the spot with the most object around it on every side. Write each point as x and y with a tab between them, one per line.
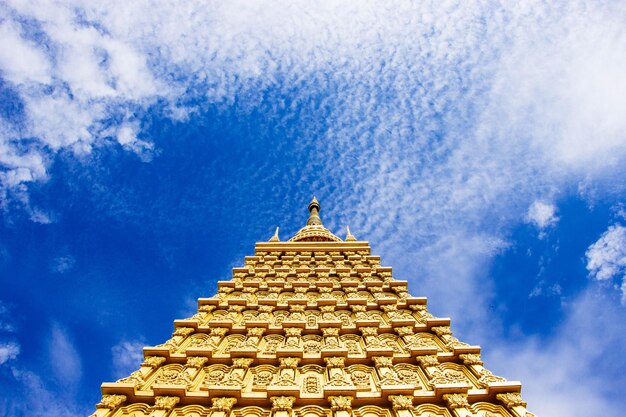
312	327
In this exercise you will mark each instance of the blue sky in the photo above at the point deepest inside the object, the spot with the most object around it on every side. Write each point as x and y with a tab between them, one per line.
479	146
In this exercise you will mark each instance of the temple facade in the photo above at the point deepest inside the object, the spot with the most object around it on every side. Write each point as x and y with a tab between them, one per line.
312	327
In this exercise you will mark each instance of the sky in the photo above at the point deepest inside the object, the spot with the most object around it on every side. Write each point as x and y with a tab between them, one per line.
479	146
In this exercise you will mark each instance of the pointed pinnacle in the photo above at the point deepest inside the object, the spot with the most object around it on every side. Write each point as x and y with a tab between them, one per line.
314	217
349	236
275	238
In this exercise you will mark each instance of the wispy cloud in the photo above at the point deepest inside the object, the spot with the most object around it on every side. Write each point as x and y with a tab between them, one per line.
64	357
432	127
127	356
566	375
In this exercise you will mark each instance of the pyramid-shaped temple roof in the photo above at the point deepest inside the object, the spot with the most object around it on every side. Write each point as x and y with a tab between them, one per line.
312	327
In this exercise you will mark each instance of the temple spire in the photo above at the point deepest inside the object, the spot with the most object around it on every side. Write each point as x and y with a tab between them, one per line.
314	230
275	238
349	236
314	217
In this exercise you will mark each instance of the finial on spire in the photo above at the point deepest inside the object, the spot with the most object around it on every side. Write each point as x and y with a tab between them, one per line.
275	238
349	236
314	217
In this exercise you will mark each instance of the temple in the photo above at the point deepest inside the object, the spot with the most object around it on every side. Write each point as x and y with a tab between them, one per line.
312	327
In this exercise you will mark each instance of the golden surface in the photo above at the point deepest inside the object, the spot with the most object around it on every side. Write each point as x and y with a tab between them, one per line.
313	327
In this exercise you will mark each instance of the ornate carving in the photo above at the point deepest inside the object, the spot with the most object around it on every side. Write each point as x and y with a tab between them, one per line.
383	361
214	377
183	331
353	347
389	378
263	378
153	361
456	400
404	330
401	402
255	331
289	362
409	377
340	402
174	377
369	331
219	331
311	346
427	360
196	361
471	359
360	378
330	331
225	404
282	403
486	377
242	363
511	399
165	403
293	331
442	330
136	378
449	376
111	401
311	385
335	361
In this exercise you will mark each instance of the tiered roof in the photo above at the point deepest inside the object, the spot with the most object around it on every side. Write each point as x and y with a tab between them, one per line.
312	327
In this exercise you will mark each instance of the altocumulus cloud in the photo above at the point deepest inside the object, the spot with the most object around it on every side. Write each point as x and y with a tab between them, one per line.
606	258
441	122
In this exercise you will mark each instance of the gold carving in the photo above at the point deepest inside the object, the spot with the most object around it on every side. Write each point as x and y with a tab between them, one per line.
335	361
449	376
183	331
456	400
196	361
136	378
174	377
427	360
383	361
263	378
341	402
214	377
511	399
289	362
111	401
153	361
360	378
242	363
486	377
223	403
327	304
165	403
311	385
401	402
471	359
282	403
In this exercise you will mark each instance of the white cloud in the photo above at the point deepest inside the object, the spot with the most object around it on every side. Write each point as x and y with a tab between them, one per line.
8	351
606	258
64	357
63	264
38	399
441	121
565	373
21	61
127	356
542	214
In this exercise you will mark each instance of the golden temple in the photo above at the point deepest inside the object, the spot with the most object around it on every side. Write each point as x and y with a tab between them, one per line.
312	327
